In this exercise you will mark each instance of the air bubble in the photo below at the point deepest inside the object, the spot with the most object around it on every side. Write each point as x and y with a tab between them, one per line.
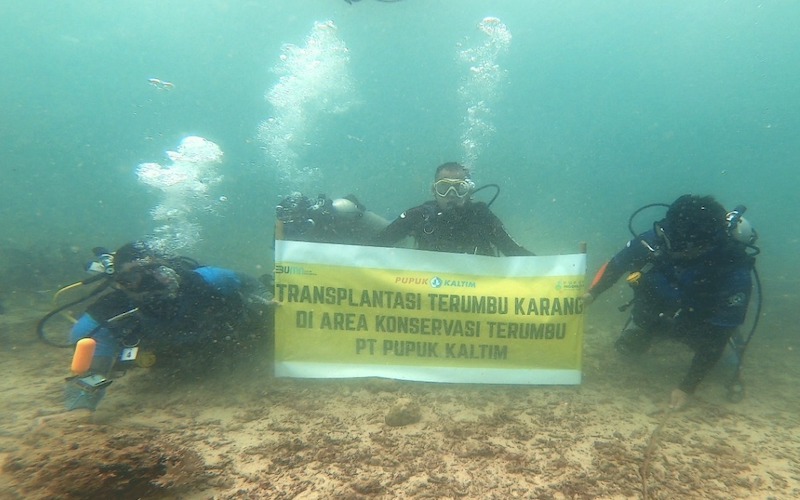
481	85
315	80
184	185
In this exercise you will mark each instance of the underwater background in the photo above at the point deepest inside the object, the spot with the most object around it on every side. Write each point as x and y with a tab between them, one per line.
581	111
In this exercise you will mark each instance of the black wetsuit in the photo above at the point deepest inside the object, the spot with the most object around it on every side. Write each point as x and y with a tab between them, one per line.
471	228
215	311
212	304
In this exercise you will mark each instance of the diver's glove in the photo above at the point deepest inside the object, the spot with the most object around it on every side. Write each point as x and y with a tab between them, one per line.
85	392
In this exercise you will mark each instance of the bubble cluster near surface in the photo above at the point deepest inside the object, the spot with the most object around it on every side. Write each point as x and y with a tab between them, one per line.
185	185
480	87
314	79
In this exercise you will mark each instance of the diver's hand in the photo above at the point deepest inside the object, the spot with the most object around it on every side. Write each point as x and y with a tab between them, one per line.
678	400
587	298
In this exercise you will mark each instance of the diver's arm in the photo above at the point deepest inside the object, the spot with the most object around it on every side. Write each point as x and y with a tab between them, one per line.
501	239
626	260
401	227
605	278
373	223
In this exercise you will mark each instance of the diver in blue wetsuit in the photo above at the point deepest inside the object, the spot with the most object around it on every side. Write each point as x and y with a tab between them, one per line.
165	311
691	278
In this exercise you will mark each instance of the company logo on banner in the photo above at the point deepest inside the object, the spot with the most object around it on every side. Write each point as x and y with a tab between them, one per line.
355	311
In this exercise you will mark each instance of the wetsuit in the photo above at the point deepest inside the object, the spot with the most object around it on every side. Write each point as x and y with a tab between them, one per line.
471	228
700	302
214	309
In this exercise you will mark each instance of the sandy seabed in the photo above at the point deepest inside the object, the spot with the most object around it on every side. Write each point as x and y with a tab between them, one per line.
236	432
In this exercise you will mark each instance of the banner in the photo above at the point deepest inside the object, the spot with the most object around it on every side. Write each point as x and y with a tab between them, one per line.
358	311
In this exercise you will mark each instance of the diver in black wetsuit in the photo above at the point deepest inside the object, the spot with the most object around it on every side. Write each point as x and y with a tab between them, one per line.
452	222
185	313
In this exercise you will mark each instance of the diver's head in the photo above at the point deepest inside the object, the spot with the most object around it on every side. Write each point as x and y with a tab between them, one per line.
293	207
295	213
693	226
302	216
144	274
452	185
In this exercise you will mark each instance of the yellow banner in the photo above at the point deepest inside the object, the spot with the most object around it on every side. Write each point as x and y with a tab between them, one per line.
355	311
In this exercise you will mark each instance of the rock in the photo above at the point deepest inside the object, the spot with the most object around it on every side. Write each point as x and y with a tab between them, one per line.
403	412
69	461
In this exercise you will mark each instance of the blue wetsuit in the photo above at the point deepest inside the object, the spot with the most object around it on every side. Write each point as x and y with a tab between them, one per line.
700	302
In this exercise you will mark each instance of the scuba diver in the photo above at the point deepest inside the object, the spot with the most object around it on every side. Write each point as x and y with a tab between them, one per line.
691	276
174	309
452	222
324	220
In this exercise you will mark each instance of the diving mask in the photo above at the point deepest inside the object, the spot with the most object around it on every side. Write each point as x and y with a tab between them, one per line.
459	187
103	263
684	245
150	278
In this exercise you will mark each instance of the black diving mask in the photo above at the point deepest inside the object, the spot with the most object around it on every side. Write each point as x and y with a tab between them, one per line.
685	246
148	279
